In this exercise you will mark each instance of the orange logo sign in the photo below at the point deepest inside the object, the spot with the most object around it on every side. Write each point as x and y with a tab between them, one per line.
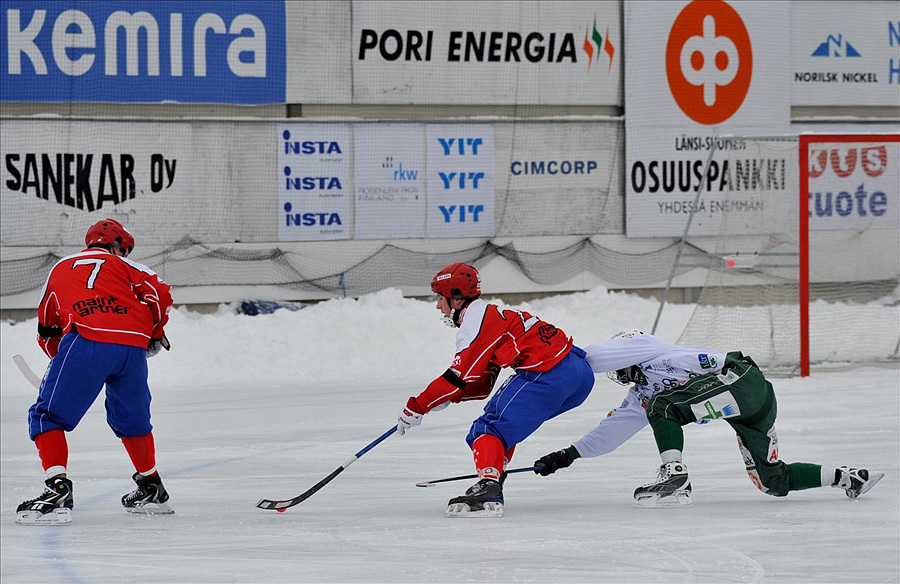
709	61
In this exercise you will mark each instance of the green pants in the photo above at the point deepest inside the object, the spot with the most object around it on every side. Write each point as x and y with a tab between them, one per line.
742	396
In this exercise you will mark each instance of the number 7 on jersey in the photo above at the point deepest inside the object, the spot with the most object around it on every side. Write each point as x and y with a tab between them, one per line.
97	263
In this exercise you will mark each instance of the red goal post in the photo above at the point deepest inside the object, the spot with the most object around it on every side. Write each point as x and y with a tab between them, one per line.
801	258
806	140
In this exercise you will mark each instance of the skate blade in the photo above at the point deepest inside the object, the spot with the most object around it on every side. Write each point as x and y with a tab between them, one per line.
152	509
654	501
874	477
463	510
55	517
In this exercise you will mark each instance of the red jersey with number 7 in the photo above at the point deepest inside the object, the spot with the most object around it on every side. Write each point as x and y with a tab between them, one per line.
109	299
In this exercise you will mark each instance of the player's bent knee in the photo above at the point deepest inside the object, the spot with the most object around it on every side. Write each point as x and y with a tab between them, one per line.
758	483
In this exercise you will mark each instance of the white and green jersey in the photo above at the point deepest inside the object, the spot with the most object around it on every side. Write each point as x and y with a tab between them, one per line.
662	366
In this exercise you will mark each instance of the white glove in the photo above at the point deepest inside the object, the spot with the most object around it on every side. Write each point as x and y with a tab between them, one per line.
407	419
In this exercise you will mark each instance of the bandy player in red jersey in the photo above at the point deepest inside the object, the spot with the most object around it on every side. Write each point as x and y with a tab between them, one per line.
551	377
100	317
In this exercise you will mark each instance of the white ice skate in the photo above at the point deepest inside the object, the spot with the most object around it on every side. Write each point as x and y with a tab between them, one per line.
672	488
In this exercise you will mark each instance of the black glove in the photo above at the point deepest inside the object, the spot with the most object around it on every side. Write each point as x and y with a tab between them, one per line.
550	463
156	345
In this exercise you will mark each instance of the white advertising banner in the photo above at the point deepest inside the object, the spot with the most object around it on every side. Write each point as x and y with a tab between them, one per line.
486	53
56	181
695	71
854	186
559	178
845	53
314	182
460	180
389	180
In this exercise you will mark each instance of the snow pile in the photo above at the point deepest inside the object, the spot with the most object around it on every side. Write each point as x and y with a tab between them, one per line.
381	336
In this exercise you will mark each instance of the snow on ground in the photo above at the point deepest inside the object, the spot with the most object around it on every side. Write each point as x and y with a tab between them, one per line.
265	406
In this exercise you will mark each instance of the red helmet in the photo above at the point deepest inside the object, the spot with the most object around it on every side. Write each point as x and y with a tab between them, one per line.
112	233
457	281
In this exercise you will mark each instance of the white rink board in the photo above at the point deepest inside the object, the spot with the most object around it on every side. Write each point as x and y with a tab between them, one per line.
230	183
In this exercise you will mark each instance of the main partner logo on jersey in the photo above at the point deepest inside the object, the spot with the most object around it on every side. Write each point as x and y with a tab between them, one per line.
706	361
108	304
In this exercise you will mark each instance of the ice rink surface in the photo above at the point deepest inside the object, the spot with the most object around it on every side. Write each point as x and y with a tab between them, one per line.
246	408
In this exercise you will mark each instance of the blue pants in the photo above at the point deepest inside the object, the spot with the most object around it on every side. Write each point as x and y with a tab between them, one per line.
529	398
75	378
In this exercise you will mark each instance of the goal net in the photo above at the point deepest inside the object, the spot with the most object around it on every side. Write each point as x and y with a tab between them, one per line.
804	270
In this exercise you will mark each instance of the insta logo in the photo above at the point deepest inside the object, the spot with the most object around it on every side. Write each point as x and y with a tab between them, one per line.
709	61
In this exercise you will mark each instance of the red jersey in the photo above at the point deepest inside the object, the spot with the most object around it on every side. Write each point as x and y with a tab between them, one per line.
109	299
492	336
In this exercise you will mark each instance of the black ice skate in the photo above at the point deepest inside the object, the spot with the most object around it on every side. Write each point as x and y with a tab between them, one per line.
483	499
855	481
149	497
672	488
53	507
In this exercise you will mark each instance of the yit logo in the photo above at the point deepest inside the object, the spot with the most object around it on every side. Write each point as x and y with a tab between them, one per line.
462	146
600	43
873	160
836	47
308	219
709	61
399	173
461	213
461	179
